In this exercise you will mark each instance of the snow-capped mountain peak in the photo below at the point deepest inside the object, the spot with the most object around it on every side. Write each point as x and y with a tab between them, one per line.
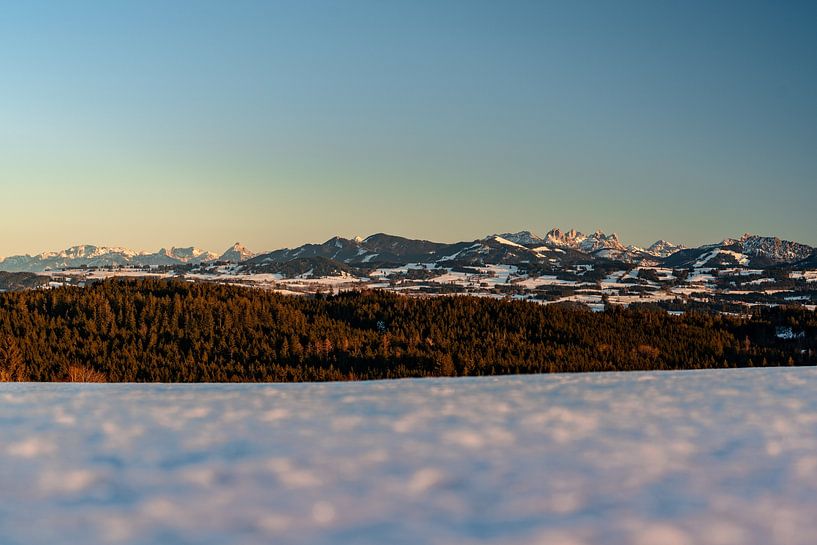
566	239
190	254
236	254
585	243
87	255
773	248
663	248
524	238
599	241
558	248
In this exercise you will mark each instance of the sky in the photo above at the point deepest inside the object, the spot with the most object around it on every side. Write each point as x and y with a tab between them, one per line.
150	123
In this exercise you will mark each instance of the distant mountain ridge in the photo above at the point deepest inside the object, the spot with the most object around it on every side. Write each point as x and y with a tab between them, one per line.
555	249
748	250
104	256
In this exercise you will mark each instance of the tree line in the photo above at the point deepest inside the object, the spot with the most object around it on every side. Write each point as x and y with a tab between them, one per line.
152	330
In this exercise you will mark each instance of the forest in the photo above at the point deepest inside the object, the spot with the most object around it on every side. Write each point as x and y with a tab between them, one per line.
174	331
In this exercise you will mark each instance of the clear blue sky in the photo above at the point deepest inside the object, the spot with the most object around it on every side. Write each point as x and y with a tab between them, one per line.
153	123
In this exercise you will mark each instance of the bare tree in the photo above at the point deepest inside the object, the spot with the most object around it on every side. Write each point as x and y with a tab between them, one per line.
77	373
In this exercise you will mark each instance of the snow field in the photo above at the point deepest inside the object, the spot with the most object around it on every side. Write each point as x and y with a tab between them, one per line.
696	457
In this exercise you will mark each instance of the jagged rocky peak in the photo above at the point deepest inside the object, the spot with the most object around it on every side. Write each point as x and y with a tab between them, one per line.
769	248
87	251
773	248
586	243
557	237
599	241
236	253
729	241
599	235
663	248
191	254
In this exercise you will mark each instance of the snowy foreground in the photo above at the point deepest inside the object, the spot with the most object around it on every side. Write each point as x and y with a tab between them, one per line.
700	457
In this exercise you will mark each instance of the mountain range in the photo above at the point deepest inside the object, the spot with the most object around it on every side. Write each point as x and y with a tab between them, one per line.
555	249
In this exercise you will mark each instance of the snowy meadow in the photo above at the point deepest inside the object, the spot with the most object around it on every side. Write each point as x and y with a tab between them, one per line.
692	457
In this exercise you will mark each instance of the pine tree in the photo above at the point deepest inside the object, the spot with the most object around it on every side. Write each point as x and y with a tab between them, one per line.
12	366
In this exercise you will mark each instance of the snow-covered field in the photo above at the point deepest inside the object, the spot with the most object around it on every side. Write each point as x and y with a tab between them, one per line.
575	284
701	457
